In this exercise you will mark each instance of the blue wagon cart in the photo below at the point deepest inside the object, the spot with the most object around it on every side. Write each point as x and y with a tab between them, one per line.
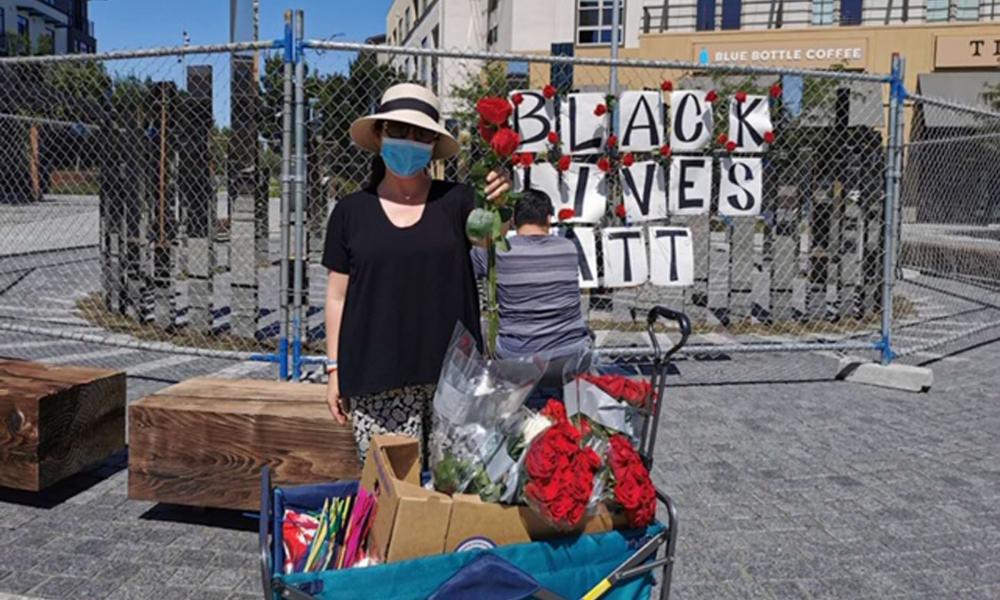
614	565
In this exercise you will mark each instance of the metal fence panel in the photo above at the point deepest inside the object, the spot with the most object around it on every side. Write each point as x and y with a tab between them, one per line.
949	254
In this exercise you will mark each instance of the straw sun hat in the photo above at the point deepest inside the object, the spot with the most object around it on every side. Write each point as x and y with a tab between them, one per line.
406	103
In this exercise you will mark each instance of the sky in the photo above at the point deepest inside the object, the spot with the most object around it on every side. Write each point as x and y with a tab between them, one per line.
128	24
134	24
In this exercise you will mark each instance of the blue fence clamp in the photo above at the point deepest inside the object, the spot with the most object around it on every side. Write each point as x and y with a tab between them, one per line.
288	43
296	351
885	350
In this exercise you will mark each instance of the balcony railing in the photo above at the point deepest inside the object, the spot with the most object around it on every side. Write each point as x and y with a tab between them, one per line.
775	14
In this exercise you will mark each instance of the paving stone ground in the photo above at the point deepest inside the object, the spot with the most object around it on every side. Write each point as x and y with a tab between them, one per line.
804	489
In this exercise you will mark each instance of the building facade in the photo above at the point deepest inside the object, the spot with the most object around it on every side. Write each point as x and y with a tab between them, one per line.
45	26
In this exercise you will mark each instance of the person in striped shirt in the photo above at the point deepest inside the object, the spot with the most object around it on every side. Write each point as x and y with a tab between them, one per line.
538	291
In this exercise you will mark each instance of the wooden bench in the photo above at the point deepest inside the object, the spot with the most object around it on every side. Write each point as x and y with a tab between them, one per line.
203	442
56	421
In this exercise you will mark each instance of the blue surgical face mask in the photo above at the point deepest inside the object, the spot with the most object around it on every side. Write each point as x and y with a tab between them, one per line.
405	158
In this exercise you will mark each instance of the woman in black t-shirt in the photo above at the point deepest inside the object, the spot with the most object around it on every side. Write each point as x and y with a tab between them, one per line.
400	275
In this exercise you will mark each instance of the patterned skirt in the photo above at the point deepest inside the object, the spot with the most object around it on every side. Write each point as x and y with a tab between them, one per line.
406	411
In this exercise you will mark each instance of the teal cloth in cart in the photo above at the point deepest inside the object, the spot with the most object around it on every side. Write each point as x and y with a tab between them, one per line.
568	566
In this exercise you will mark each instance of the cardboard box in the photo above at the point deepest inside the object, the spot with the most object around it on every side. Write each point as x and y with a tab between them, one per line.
411	521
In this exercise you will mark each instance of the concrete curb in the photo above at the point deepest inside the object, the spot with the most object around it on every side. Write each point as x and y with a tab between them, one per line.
895	376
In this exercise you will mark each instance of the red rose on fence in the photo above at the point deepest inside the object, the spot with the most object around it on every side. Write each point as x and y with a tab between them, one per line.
612	140
604	164
566	213
628	160
667	86
549	91
563	163
741	96
620	211
505	142
525	159
553	138
769	137
517	99
711	96
730	146
775	90
494	110
600	110
665	150
723	138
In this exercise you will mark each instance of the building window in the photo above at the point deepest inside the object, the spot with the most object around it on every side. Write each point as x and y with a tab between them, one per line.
937	10
851	12
493	5
966	10
399	30
705	15
731	12
492	35
406	18
594	18
822	12
23	28
434	61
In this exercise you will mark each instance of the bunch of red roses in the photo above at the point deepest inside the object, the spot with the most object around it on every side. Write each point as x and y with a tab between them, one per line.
560	472
629	484
494	127
635	392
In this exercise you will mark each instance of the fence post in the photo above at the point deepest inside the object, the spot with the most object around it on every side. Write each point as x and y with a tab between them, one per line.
298	253
894	148
286	196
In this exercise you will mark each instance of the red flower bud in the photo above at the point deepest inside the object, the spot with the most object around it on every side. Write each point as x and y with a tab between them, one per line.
563	163
667	85
776	90
505	142
711	96
604	164
628	160
525	159
665	150
612	140
549	91
620	211
517	98
553	138
566	213
741	96
723	138
600	110
769	137
730	146
494	110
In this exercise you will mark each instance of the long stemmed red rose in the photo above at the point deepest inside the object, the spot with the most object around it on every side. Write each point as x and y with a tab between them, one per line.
484	222
629	484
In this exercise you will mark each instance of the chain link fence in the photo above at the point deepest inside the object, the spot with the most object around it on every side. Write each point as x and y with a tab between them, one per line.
949	233
807	273
149	199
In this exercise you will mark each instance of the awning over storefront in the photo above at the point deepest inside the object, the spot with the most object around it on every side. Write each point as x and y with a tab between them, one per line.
967	88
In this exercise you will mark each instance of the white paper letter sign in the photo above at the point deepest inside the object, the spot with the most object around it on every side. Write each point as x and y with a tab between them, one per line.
583	132
671	256
640	121
690	121
585	191
586	249
645	193
690	185
748	122
534	118
739	186
624	257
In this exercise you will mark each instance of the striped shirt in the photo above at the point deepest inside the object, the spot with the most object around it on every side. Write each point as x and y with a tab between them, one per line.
539	296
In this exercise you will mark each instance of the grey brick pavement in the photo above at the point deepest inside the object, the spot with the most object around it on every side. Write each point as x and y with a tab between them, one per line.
813	489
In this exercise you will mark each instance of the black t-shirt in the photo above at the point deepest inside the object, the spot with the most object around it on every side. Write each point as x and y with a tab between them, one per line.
407	288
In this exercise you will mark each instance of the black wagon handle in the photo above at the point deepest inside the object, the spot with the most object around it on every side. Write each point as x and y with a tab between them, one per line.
683	323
